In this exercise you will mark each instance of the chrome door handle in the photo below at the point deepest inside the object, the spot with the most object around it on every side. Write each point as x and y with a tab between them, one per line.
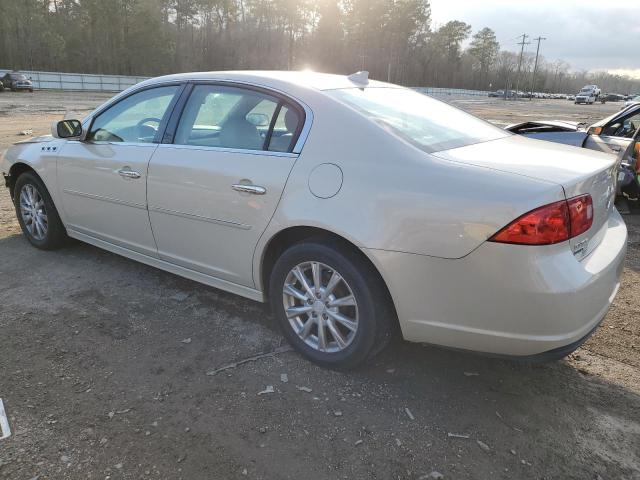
128	173
253	189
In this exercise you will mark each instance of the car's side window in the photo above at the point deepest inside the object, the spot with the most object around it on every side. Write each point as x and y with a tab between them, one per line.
135	118
625	127
227	117
285	130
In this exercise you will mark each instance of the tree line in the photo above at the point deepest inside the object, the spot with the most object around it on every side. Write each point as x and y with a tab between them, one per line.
393	39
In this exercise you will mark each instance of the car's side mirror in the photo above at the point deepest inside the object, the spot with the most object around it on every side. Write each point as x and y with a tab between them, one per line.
66	129
594	131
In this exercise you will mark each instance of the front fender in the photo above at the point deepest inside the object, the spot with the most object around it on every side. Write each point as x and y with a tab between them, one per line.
38	154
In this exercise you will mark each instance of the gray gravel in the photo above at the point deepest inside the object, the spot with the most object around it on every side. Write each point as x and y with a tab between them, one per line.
99	380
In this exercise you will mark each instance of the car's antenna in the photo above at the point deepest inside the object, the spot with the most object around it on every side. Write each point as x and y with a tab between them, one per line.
361	78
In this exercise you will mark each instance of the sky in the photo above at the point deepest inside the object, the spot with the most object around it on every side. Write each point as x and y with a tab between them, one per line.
588	34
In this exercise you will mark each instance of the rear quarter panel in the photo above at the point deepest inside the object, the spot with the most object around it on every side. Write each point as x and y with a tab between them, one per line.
395	197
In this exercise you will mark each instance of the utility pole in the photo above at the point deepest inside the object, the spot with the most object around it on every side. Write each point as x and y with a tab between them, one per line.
522	44
535	66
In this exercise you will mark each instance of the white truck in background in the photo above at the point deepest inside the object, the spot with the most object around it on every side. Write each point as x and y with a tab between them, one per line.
588	94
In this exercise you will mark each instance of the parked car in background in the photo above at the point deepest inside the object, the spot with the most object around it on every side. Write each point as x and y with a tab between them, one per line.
501	94
588	94
611	97
17	81
610	135
631	101
629	173
338	200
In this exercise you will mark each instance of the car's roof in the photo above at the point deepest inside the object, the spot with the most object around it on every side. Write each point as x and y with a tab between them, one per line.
275	79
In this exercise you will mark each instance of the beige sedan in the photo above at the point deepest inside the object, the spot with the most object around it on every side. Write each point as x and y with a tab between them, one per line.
358	209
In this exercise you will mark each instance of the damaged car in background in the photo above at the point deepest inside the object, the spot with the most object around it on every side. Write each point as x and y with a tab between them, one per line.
618	134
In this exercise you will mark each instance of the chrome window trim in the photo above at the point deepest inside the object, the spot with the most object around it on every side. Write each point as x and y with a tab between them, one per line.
306	130
127	93
302	138
106	142
229	150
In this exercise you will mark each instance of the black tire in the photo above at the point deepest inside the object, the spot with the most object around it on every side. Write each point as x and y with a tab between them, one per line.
377	320
56	235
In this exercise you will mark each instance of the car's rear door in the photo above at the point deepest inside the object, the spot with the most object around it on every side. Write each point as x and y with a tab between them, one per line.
213	188
103	179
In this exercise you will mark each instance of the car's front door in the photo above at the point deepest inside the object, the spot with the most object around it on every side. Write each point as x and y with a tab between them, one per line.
103	179
615	136
213	190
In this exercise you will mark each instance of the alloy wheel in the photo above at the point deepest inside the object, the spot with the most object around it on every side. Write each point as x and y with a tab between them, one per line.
33	212
320	307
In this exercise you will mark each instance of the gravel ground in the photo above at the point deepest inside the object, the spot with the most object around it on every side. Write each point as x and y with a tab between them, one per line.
104	373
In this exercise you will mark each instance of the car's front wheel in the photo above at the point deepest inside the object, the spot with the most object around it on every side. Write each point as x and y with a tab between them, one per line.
37	214
331	304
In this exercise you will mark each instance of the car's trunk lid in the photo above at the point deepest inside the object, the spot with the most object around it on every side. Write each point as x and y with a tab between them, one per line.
578	171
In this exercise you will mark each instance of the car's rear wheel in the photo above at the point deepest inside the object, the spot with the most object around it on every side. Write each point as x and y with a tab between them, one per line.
331	304
37	215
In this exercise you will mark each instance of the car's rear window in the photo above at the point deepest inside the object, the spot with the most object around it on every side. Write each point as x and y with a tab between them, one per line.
426	123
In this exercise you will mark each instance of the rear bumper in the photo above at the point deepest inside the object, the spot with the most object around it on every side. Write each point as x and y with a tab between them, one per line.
559	352
506	299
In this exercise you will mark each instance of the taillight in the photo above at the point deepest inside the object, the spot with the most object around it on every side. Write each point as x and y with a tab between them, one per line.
553	223
581	214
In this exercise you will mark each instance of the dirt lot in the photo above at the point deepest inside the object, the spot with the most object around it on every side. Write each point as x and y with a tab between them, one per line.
104	362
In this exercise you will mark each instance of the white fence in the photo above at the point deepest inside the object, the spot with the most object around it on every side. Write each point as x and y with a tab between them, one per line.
117	83
79	81
451	91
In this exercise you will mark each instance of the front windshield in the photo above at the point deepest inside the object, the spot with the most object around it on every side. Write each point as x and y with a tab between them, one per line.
18	76
426	123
